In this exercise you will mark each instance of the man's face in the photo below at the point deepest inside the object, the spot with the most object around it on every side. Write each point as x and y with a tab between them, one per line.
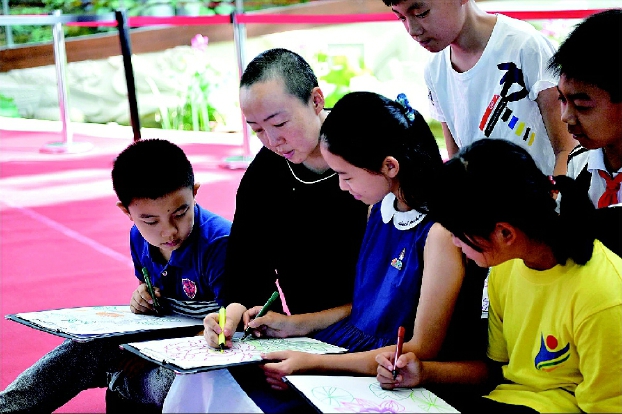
592	118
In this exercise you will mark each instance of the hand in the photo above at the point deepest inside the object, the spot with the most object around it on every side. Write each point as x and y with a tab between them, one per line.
272	324
141	301
289	362
409	370
212	328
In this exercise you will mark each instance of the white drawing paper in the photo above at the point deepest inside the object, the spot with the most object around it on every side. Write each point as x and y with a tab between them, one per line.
98	321
194	352
342	394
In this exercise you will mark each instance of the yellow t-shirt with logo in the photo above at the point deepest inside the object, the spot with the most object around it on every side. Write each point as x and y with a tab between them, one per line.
559	331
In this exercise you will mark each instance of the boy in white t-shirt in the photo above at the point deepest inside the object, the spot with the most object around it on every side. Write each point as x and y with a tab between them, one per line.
488	78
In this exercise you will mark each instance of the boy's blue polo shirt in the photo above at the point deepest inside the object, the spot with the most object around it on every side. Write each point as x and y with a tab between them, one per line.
195	270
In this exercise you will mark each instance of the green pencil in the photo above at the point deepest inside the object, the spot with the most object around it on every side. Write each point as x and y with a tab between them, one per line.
156	305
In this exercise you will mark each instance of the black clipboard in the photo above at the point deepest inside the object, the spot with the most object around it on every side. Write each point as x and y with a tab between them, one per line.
161	359
180	370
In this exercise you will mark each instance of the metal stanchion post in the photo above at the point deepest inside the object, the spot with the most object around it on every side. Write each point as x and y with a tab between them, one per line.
126	51
60	60
239	37
8	30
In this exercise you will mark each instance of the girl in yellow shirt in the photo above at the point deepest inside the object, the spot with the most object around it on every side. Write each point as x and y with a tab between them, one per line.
555	292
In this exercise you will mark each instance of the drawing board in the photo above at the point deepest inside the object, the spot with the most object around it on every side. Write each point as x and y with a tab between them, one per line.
193	354
87	323
342	394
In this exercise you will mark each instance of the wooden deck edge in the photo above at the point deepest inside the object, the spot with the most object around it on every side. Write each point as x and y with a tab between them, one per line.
154	39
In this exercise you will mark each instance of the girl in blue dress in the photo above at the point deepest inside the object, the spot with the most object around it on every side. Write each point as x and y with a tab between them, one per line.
409	272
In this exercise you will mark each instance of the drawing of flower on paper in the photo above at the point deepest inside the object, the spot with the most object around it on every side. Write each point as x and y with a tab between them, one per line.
360	405
431	403
332	396
426	400
395	394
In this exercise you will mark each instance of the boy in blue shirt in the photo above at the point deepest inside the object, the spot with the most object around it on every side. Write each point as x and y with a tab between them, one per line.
181	245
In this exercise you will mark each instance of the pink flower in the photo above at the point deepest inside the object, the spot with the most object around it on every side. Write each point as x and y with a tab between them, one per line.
360	405
199	42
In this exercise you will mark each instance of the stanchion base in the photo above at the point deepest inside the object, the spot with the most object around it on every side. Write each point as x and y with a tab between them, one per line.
66	148
239	162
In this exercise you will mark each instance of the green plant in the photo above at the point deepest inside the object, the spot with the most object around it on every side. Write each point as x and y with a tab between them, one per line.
133	7
340	70
25	34
224	7
265	4
8	107
197	113
38	34
66	6
193	110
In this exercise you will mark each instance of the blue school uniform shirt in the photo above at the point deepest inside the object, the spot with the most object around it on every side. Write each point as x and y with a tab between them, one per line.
388	280
191	281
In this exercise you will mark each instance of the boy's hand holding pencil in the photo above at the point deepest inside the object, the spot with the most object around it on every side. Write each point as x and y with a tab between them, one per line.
142	302
145	297
155	305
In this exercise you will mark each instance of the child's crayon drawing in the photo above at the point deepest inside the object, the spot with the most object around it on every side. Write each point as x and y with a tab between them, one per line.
332	394
98	320
193	352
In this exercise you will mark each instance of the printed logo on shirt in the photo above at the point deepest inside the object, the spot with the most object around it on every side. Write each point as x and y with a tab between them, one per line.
398	261
190	288
485	300
550	357
497	108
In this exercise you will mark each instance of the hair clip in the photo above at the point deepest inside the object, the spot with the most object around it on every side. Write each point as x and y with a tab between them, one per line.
403	100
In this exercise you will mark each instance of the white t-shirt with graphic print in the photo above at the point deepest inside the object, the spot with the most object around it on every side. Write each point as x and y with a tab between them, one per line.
496	97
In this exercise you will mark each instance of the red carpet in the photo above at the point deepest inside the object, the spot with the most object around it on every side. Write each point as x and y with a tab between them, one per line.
63	241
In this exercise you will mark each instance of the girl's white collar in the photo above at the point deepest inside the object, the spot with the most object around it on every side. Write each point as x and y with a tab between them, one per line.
402	220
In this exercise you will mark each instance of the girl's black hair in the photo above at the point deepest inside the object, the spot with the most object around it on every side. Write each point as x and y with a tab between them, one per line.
364	128
493	181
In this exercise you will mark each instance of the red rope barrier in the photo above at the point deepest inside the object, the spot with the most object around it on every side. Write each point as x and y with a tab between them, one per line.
140	21
384	17
313	18
550	14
